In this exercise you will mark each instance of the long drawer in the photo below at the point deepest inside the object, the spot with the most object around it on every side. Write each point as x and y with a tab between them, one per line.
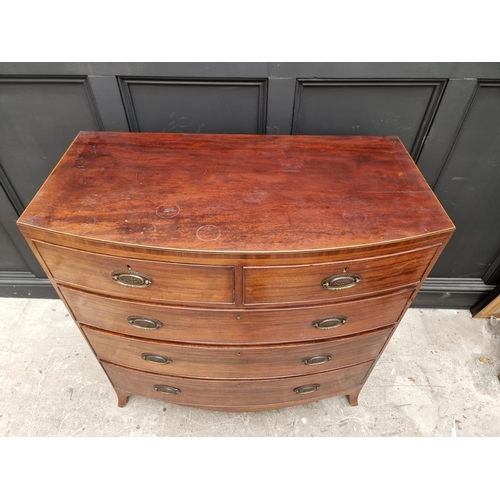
322	282
238	361
237	326
235	395
140	279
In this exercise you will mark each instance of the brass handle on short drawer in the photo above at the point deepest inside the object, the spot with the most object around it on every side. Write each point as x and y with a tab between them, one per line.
306	389
156	359
329	323
145	323
131	278
341	281
167	389
318	359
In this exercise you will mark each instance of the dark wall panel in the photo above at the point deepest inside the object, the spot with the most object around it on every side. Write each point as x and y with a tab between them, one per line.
11	239
444	128
237	107
39	118
10	259
402	108
469	186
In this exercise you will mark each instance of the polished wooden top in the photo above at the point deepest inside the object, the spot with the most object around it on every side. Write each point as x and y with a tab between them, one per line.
237	193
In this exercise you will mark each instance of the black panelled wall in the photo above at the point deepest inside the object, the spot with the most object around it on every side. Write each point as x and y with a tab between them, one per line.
446	114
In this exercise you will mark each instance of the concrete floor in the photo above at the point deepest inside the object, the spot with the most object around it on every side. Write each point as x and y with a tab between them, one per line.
437	377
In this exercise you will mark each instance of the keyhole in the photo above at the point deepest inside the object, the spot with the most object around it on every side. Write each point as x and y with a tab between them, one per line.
129	268
345	269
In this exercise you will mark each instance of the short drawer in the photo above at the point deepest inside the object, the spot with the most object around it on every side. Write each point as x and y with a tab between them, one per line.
236	326
238	395
239	361
140	279
324	282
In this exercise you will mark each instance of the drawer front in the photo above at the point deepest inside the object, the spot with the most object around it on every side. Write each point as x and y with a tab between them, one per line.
238	394
169	282
292	284
213	326
239	361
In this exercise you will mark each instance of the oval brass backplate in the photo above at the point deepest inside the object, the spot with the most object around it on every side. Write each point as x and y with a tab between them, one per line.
318	359
330	322
306	389
145	323
167	389
341	281
156	359
131	278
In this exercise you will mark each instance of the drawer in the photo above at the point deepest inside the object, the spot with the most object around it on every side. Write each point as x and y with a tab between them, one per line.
169	282
215	326
307	283
238	395
239	361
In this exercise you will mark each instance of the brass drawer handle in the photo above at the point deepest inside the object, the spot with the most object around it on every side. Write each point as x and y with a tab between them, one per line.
306	389
341	281
329	323
318	359
167	389
131	278
145	323
156	359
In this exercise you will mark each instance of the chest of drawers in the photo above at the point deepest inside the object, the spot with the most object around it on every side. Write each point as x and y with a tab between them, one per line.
236	272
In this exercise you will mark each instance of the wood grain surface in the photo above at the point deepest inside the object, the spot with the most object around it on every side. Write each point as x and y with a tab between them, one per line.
241	362
238	326
237	193
242	395
295	284
171	282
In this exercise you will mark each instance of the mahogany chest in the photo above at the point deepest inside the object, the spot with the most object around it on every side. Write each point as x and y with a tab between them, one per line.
236	272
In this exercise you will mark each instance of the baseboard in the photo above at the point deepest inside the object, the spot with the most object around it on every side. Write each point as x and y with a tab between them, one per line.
451	293
485	301
25	285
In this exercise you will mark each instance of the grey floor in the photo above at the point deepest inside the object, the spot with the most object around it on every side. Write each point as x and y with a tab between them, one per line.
437	377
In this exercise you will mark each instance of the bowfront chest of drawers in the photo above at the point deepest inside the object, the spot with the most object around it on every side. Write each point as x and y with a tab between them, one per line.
236	272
